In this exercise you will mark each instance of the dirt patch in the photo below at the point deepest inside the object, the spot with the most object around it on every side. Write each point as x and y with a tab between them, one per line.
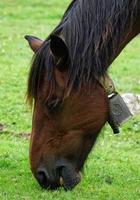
23	135
2	126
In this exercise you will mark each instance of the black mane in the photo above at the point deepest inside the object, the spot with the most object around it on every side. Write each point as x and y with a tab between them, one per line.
91	29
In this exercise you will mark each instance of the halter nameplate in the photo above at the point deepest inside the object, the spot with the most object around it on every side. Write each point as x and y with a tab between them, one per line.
119	113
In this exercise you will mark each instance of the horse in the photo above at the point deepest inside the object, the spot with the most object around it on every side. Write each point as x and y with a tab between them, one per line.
70	106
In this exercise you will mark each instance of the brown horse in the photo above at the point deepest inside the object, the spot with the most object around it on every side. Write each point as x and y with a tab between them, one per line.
70	105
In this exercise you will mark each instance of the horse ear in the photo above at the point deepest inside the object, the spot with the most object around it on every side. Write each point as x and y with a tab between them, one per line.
34	42
58	46
59	51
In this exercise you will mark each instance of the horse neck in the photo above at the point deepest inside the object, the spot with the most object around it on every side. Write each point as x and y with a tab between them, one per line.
129	34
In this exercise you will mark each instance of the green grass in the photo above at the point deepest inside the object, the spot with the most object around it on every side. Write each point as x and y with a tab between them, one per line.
111	171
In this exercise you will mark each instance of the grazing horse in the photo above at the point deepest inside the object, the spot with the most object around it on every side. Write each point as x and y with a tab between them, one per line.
70	106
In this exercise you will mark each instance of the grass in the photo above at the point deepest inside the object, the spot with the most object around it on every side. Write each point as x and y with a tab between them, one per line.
111	172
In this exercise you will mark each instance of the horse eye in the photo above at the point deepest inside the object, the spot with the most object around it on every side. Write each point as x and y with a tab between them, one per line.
54	104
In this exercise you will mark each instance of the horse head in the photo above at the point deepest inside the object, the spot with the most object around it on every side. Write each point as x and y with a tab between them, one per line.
65	125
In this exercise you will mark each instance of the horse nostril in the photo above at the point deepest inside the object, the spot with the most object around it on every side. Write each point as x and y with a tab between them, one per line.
45	181
41	177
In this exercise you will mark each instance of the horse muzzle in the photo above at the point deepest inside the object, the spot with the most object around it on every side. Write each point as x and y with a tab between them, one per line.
63	175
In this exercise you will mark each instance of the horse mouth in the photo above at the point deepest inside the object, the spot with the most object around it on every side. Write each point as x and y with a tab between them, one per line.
67	182
65	176
69	178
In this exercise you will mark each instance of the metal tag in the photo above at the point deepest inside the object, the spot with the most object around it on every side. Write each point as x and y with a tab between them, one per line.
119	111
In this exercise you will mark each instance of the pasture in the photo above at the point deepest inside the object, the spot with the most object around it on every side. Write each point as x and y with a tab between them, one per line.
112	169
